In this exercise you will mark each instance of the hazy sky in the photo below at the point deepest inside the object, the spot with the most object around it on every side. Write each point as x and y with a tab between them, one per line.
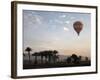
51	30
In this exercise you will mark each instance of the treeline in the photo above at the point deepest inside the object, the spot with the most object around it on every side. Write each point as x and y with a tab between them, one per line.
52	56
75	59
47	56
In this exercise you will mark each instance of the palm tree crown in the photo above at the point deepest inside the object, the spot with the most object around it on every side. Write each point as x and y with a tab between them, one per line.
28	49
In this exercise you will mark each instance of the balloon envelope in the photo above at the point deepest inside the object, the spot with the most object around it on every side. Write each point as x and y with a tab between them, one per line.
78	26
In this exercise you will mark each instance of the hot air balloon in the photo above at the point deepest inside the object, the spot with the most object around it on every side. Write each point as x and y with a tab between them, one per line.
78	26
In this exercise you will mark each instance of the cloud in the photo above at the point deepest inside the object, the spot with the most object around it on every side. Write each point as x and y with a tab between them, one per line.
58	21
38	19
72	17
66	29
67	22
63	16
30	19
51	21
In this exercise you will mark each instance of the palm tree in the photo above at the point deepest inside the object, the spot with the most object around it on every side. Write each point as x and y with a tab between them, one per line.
55	52
42	55
46	54
50	56
28	49
55	55
35	54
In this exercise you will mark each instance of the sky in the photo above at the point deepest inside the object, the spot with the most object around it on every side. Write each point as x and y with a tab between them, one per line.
52	30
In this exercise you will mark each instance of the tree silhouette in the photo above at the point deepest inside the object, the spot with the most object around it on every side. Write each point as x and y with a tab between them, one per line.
80	58
23	54
35	55
55	52
46	56
42	55
74	58
86	59
68	60
55	55
28	49
45	53
49	56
